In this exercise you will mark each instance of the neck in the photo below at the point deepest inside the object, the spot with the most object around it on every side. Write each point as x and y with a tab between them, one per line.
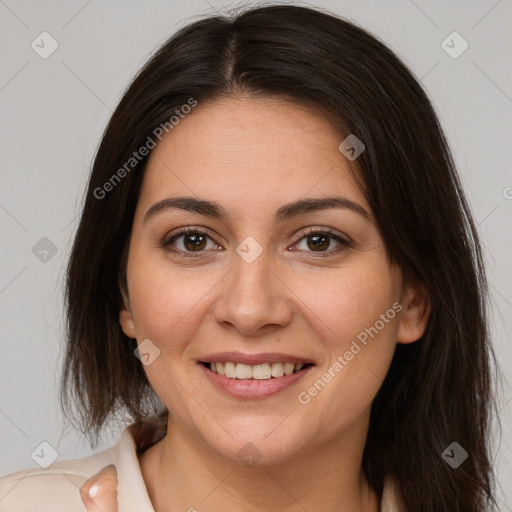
182	473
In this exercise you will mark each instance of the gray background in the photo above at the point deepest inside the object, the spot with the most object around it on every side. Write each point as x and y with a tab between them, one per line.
54	111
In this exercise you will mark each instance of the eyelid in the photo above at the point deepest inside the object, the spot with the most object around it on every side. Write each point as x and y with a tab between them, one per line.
188	229
174	235
343	240
310	230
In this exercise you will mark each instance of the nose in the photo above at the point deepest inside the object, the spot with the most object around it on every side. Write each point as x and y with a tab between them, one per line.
253	298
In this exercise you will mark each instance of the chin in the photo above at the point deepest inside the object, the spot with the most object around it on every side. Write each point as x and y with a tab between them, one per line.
257	449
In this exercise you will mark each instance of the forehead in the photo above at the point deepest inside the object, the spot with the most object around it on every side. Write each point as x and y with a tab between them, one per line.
244	151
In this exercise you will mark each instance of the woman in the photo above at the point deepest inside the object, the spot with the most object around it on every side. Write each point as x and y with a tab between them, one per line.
277	276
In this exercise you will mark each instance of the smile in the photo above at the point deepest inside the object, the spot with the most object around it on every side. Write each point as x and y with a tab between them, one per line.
240	380
263	371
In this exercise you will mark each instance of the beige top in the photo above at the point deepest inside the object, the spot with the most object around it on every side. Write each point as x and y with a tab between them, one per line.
56	489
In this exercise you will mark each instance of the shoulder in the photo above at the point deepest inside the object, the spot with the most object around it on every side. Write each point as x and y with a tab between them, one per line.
56	488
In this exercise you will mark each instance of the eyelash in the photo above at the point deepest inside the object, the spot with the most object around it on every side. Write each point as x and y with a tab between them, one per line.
311	231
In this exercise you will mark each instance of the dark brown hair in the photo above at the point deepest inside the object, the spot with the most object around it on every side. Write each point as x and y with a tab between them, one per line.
438	389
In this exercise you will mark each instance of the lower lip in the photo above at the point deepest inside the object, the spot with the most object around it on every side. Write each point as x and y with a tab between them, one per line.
252	388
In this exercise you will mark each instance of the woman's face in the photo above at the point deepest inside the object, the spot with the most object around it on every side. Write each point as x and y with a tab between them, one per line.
265	283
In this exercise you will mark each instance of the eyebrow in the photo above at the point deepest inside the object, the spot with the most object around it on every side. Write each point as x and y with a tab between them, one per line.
288	211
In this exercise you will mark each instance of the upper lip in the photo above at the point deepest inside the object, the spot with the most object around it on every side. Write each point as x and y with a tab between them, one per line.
253	359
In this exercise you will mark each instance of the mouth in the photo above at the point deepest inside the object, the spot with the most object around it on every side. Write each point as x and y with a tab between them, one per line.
245	376
263	371
254	376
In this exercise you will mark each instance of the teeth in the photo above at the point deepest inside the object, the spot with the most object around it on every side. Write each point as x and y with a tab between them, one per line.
277	369
230	370
243	371
261	371
258	371
288	368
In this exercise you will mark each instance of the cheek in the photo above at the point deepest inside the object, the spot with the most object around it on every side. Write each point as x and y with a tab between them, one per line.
344	304
355	322
167	302
168	306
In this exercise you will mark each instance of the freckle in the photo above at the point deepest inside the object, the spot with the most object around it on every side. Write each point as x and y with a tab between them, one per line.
278	340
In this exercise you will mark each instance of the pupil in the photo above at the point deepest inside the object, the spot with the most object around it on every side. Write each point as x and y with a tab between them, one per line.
196	240
319	242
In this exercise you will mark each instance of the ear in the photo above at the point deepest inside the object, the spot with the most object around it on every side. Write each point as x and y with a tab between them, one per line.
416	306
126	318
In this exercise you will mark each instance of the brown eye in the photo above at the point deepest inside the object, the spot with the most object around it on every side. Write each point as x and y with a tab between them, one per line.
194	241
321	242
190	240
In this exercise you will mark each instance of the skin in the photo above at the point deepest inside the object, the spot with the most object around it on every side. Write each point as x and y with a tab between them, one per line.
105	497
253	156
